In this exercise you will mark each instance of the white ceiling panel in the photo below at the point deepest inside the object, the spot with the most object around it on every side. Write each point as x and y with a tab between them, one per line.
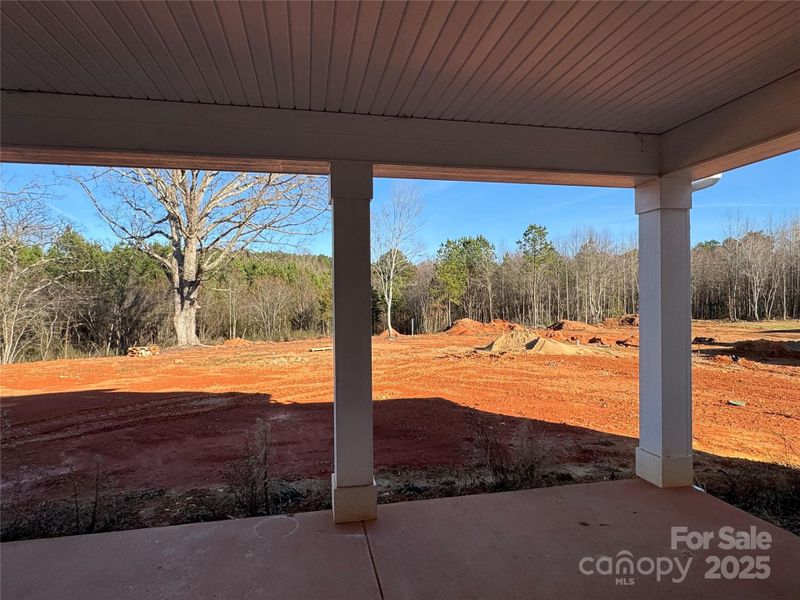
642	67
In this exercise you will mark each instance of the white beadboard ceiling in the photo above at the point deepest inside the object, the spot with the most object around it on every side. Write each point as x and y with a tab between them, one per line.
642	67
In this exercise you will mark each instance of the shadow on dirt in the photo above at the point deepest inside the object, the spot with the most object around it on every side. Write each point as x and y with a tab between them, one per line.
768	352
161	456
795	331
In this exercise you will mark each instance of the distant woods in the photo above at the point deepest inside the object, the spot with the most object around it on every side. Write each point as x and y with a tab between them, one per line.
99	302
62	295
753	274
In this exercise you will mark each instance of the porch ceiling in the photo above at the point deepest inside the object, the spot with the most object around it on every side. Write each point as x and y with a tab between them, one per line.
644	67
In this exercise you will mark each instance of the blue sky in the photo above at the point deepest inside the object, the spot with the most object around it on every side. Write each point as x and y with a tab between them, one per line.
501	211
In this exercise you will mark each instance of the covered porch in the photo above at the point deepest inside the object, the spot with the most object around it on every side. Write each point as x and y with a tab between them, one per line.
650	96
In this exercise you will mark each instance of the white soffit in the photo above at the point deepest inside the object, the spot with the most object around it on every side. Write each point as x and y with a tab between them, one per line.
644	67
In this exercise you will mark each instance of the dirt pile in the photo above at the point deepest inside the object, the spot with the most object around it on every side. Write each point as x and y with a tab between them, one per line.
516	340
571	326
522	339
628	320
768	349
553	347
472	327
591	338
576	332
236	343
385	333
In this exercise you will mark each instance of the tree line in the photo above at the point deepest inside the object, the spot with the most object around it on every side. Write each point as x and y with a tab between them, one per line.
63	295
72	298
589	276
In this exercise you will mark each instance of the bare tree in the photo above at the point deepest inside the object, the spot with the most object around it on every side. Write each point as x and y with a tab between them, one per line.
270	301
757	254
202	217
394	242
26	227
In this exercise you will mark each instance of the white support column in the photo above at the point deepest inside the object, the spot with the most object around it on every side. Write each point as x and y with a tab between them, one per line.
353	483
664	455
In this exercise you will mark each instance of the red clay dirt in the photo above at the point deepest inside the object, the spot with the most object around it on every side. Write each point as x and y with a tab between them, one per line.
472	327
572	326
385	333
237	343
177	419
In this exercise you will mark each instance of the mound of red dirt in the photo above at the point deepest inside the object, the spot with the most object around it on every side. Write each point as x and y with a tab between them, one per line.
236	343
571	326
472	327
727	359
590	336
768	349
385	333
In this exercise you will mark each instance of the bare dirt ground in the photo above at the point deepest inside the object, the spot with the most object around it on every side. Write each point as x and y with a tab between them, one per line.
176	420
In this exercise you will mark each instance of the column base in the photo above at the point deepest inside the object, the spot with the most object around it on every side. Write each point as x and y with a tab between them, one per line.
356	503
664	472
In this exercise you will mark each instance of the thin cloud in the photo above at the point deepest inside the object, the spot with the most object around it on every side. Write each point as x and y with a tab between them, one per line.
696	205
60	211
553	206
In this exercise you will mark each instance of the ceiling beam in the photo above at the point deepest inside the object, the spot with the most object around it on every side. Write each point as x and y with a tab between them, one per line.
65	129
63	155
757	126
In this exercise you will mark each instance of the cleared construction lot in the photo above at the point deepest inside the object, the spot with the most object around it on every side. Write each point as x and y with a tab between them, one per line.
161	430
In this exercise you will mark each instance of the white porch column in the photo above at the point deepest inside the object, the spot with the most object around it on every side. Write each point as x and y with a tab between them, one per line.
354	491
664	455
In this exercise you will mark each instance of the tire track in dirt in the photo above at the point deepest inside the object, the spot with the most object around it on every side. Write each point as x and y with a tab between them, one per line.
94	421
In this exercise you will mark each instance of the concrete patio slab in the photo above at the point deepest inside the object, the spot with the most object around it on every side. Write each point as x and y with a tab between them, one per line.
526	544
305	556
529	544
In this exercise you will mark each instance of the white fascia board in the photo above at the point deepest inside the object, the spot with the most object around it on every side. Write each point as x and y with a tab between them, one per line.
39	127
757	126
